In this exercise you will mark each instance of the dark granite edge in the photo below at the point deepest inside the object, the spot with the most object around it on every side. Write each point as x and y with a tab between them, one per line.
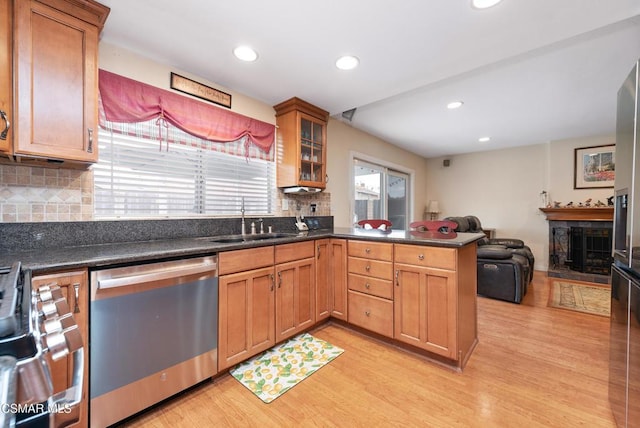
109	254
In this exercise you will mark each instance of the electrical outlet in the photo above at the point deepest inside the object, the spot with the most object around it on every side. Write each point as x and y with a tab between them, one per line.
285	204
313	208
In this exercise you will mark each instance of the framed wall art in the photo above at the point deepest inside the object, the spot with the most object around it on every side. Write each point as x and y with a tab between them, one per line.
594	167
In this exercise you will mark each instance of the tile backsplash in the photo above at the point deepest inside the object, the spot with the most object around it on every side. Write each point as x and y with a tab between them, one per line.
36	194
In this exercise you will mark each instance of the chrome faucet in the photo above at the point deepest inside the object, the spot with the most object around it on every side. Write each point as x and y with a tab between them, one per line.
243	230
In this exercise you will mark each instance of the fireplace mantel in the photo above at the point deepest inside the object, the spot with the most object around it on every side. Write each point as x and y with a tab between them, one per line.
579	214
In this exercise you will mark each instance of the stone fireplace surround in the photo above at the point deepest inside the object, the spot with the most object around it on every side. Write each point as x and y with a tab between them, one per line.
561	220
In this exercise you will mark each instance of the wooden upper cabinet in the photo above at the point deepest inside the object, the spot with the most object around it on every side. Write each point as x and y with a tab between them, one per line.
6	76
56	72
301	144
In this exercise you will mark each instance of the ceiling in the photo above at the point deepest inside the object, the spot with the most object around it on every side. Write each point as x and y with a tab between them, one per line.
528	72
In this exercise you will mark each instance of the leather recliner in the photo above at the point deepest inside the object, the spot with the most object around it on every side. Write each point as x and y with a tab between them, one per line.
502	274
505	265
516	246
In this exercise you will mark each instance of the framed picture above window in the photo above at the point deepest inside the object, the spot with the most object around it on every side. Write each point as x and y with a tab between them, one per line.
594	167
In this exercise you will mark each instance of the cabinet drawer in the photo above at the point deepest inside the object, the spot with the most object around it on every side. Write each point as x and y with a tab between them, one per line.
374	286
372	313
295	251
243	260
436	257
375	268
371	250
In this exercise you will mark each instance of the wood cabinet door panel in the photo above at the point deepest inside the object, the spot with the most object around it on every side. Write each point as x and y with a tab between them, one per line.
6	71
323	279
285	302
57	81
295	297
425	309
441	325
246	315
339	307
262	304
409	307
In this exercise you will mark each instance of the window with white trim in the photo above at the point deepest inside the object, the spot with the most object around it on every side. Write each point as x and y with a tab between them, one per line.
147	170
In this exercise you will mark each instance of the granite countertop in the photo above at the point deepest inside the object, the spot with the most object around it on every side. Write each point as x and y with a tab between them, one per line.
127	252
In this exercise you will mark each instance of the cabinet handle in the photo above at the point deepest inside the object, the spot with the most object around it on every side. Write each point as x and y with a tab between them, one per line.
90	145
367	286
279	279
397	278
273	281
318	251
76	290
7	125
421	257
326	178
367	313
367	268
367	250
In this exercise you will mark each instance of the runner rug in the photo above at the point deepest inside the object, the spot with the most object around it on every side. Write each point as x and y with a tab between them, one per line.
274	372
588	298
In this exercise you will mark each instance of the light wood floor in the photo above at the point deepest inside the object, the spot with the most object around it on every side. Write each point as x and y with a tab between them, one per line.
534	367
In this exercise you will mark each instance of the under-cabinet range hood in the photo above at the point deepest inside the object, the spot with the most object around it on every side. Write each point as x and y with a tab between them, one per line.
301	190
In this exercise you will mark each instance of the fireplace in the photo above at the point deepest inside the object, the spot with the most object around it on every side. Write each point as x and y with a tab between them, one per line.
591	250
580	242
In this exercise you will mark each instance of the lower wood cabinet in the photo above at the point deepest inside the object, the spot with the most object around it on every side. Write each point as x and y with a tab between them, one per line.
246	294
435	299
331	279
418	295
425	309
371	312
73	285
246	316
295	288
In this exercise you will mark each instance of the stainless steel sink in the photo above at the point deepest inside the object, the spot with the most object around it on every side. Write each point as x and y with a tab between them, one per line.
228	239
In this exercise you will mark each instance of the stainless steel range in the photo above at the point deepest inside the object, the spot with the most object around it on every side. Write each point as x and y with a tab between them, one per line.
32	325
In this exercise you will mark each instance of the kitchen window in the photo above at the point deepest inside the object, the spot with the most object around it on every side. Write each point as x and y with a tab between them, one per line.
143	172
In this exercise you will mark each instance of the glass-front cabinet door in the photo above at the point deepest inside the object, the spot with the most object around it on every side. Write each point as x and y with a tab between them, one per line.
312	139
301	144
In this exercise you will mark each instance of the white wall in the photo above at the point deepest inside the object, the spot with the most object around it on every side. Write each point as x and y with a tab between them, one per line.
502	188
342	140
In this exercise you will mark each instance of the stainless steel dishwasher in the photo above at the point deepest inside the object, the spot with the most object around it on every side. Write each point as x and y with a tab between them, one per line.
153	332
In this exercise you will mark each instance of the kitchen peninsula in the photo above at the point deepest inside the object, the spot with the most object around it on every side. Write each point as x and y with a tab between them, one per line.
409	290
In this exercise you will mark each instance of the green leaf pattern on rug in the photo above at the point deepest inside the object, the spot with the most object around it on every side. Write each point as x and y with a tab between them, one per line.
275	371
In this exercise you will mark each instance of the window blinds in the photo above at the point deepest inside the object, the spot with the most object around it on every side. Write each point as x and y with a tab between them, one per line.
133	178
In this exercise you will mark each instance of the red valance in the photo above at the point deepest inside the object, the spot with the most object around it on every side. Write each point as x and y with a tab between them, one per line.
129	101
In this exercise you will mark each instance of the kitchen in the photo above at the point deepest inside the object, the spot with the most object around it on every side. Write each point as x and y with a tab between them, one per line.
135	66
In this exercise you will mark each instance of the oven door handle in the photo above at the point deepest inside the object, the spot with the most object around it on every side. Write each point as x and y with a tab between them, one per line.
135	279
65	405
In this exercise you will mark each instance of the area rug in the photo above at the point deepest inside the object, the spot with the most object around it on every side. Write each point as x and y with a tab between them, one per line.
587	298
274	372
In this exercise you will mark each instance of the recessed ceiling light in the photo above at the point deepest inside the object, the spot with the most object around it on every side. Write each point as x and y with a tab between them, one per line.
245	53
347	62
484	139
484	4
454	104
